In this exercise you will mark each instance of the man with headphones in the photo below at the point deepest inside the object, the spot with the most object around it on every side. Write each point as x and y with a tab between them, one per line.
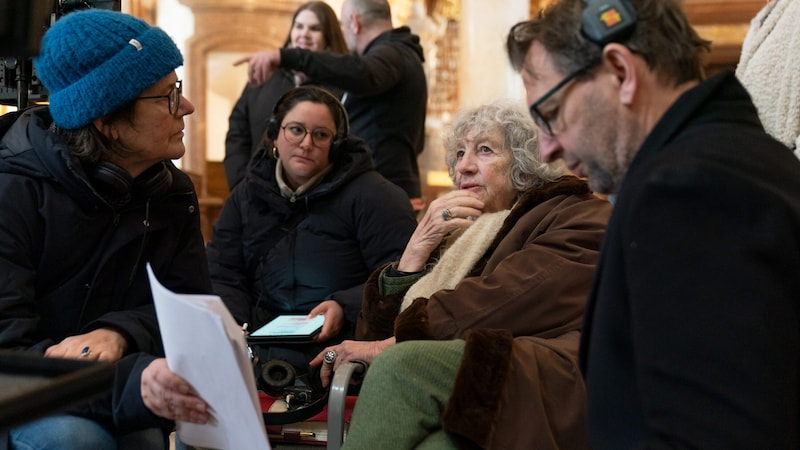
88	197
690	338
300	234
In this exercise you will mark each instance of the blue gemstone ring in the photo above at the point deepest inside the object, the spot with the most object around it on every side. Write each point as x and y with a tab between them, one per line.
86	352
446	214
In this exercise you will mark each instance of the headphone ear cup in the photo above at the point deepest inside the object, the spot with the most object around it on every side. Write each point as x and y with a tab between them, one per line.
337	150
607	21
117	186
153	182
338	146
112	182
276	375
273	128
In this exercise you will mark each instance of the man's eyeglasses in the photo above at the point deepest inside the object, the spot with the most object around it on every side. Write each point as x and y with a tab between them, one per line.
538	117
295	133
173	97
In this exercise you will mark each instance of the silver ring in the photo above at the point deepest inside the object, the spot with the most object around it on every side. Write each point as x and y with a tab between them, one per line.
446	214
86	352
330	357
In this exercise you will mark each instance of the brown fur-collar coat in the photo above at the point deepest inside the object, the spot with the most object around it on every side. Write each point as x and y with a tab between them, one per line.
520	311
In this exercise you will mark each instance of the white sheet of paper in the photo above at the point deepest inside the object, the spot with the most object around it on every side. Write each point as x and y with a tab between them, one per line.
206	347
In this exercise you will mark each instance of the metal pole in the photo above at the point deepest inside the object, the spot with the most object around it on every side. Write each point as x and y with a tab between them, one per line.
23	69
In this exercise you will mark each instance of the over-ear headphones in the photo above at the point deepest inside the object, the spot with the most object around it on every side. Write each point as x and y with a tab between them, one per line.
303	394
606	21
117	186
313	94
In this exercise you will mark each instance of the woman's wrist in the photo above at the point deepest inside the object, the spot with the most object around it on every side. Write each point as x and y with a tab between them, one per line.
395	272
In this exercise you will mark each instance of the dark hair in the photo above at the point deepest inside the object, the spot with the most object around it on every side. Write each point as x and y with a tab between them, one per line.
89	145
313	94
662	36
329	23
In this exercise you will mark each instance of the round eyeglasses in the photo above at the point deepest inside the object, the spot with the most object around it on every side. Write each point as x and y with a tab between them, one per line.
173	97
295	133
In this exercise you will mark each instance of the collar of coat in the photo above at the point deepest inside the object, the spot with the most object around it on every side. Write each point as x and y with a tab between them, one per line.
566	185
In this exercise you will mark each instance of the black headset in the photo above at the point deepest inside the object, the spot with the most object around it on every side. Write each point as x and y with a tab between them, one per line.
117	186
303	394
606	21
313	94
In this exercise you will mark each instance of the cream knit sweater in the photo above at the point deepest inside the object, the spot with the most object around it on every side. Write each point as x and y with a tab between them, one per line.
769	68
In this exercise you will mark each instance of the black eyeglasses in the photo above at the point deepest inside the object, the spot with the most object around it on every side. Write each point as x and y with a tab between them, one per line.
295	133
537	115
173	97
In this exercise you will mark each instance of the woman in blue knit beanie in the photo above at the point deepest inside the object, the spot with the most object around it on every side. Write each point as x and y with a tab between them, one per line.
89	197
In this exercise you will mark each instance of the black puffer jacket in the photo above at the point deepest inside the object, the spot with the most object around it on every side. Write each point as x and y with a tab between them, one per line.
349	224
71	263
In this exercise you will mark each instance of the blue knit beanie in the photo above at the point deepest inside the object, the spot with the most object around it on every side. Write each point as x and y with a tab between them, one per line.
94	61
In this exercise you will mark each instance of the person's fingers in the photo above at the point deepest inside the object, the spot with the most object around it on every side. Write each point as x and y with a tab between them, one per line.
241	61
160	395
325	373
189	409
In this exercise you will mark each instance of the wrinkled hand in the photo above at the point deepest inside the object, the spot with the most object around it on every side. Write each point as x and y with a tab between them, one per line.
170	396
349	351
334	319
464	206
103	343
261	65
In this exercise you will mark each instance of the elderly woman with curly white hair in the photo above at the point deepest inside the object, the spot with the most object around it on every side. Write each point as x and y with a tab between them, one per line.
491	289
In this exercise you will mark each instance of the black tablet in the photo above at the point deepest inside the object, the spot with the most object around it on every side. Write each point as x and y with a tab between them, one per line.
288	329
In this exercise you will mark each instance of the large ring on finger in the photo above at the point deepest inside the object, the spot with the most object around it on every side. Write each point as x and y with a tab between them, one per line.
86	352
330	357
446	214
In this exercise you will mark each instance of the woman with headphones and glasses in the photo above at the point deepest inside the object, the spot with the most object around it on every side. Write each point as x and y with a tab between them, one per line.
300	234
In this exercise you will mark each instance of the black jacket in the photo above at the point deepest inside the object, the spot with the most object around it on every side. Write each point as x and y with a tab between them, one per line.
248	122
387	98
691	335
71	263
349	224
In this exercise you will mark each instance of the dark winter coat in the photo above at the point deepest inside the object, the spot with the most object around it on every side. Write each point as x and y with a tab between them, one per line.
71	263
386	98
692	335
349	224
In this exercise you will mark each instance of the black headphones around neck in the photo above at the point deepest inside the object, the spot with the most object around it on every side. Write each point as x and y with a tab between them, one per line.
117	186
312	94
606	21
